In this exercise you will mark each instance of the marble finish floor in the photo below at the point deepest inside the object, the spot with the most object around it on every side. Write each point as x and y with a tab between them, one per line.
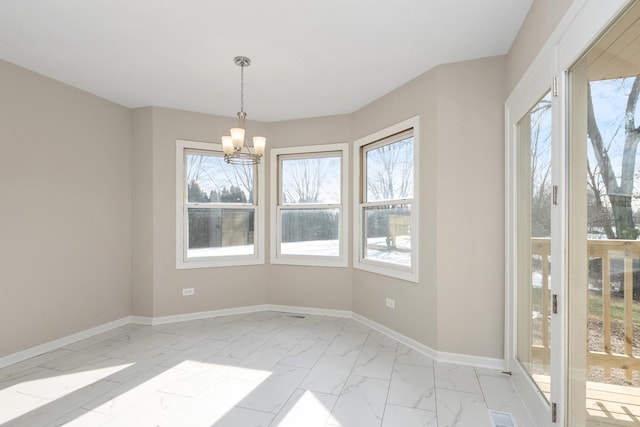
262	369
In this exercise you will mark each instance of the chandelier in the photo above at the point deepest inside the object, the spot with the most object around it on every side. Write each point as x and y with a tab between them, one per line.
233	146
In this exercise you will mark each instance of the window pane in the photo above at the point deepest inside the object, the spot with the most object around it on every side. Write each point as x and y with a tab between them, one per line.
389	171
311	180
310	232
211	180
220	232
388	234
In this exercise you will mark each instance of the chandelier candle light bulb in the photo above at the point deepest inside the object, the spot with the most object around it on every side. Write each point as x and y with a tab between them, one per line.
237	135
227	145
258	144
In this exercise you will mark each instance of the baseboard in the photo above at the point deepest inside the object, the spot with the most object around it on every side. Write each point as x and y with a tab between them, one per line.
200	315
311	311
461	359
409	342
440	356
151	321
475	361
61	342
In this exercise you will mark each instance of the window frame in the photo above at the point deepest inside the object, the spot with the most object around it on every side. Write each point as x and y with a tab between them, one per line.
375	140
182	218
277	206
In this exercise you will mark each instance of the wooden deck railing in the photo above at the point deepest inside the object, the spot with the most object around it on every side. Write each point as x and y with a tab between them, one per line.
624	250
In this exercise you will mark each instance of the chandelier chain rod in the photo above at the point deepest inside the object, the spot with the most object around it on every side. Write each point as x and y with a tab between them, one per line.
242	88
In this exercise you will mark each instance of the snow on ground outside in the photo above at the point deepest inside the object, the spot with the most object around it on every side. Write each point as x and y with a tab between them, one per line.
376	250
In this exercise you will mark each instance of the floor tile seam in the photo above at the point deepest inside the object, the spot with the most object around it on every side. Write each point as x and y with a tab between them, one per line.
308	332
355	359
435	397
337	394
178	394
11	374
352	368
47	400
131	405
482	392
275	414
55	422
259	410
411	407
412	365
86	408
324	353
461	391
386	398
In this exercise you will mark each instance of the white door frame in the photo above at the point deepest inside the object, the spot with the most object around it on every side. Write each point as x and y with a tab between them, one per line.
578	29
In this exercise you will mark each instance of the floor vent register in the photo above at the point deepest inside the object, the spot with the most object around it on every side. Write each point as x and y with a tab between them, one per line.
501	419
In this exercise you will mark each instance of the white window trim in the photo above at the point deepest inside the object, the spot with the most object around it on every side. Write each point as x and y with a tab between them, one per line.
310	260
181	221
405	273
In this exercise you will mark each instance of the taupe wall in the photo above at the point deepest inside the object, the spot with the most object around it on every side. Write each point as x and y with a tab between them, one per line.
415	314
319	287
143	213
215	288
470	207
65	228
458	304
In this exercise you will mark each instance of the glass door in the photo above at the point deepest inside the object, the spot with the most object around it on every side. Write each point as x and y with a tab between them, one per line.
604	229
533	287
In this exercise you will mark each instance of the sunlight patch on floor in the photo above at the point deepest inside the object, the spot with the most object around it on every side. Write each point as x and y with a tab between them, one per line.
308	407
32	393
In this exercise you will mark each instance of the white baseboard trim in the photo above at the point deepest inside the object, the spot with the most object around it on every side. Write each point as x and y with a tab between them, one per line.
309	310
142	320
61	342
475	361
461	359
200	315
439	356
409	342
152	321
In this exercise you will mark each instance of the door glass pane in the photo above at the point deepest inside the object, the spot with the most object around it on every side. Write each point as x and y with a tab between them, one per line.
606	374
534	244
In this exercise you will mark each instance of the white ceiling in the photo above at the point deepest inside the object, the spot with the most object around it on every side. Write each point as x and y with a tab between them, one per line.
309	58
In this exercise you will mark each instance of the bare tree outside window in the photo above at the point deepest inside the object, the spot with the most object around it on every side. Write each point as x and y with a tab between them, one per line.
218	180
220	209
614	136
390	171
311	180
540	117
310	204
388	181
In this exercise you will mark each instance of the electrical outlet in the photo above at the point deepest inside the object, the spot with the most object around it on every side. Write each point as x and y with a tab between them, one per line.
187	292
390	302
